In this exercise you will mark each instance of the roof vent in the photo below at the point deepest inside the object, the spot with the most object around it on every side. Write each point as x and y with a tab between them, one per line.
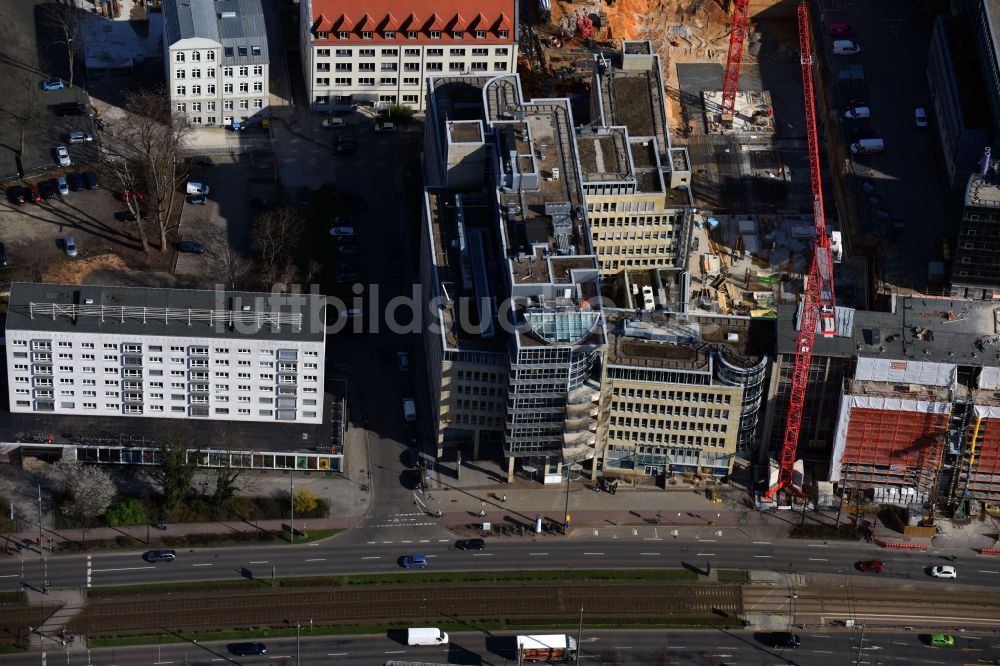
88	301
228	14
246	308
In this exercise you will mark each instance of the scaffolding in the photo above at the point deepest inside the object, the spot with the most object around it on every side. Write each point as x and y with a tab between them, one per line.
142	314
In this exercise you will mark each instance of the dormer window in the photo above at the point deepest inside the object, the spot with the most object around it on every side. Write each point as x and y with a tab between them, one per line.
389	34
411	34
343	34
322	34
503	34
435	34
458	34
480	34
366	34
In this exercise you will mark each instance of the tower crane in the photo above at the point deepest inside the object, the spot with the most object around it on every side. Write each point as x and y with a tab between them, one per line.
817	303
731	81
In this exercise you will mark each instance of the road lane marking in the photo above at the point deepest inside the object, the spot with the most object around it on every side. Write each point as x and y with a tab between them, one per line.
652	538
432	556
395	652
655	554
122	569
818	545
406	541
822	652
372	557
593	553
992	572
316	559
537	554
818	559
386	542
482	554
10	576
425	541
764	556
705	555
707	540
203	564
336	654
763	543
900	643
259	562
158	663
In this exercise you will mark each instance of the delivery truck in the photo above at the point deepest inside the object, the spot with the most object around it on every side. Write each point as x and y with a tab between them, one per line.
549	647
426	636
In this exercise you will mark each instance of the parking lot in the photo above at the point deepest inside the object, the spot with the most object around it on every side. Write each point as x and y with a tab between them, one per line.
906	208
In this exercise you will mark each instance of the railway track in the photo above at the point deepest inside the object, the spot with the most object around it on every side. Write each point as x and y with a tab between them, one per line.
543	602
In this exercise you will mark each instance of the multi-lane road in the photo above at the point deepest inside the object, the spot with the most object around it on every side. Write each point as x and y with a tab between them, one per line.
599	648
624	550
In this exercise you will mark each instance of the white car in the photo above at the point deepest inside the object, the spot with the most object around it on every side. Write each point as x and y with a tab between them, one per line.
920	116
845	47
197	188
385	127
63	156
944	571
69	243
333	123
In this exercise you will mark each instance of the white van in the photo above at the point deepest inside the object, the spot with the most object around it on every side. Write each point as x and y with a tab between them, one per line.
426	636
409	410
197	188
867	146
845	47
858	112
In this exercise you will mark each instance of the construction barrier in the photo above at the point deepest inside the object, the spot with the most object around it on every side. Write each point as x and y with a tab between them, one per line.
989	551
901	546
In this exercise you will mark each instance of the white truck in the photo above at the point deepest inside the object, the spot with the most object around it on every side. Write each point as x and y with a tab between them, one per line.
426	636
548	647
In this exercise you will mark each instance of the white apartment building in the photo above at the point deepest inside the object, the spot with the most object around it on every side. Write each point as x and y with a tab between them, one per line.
381	52
216	60
167	353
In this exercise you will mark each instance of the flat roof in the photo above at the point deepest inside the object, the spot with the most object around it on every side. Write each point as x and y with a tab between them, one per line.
982	191
604	156
144	311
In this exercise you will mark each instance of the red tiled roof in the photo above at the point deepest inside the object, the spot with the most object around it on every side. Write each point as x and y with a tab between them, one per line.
444	16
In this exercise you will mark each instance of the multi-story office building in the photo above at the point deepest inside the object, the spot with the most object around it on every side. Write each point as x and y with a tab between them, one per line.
975	272
382	53
684	392
636	185
169	353
216	59
964	77
516	266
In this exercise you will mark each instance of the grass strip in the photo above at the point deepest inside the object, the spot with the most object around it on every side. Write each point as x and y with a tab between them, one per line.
410	578
733	576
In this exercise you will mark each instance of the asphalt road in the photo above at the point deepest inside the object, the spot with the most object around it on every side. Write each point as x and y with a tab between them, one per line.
701	648
347	556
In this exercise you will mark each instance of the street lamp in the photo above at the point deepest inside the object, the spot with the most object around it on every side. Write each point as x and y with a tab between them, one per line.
572	467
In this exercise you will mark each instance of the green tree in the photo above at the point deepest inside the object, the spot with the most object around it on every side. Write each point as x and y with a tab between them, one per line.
225	485
400	113
125	512
305	501
174	474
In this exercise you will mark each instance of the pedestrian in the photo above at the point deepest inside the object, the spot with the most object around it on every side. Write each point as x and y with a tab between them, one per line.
504	498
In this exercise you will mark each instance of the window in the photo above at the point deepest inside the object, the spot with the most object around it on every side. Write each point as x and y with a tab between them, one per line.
323	53
479	66
196	90
387	81
228	105
366	81
244	71
435	53
343	67
366	67
409	99
365	34
322	34
181	108
322	67
258	70
196	56
435	34
499	66
210	90
480	52
503	34
343	53
181	91
210	56
411	81
501	51
227	88
366	53
389	67
178	57
244	104
244	87
255	50
195	73
411	67
388	34
411	53
456	66
480	34
343	34
180	74
228	51
242	51
210	73
434	67
322	80
258	104
341	81
458	34
211	120
411	34
258	86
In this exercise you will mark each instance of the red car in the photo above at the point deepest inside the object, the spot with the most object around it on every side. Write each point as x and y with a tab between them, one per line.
840	30
34	194
873	566
128	195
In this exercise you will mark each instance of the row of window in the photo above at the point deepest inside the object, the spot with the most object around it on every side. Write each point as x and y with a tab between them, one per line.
137	373
414	81
686	396
228	51
411	34
670	410
619	436
176	409
615	265
666	424
137	348
227	89
227	105
227	72
596	221
478	420
501	51
607	247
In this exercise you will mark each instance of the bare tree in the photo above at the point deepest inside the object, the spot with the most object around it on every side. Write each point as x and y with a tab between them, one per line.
22	107
661	656
232	267
149	138
276	233
64	21
90	488
129	177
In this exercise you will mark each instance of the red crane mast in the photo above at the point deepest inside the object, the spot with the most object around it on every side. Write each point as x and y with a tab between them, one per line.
731	81
818	301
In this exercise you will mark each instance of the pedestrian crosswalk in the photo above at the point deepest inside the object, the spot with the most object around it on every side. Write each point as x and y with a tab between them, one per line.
416	519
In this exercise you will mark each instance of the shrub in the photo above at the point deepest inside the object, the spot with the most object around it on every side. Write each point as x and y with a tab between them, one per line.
124	512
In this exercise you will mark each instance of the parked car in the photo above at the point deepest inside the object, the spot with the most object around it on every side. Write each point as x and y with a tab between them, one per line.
779	639
79	137
201	161
943	571
53	84
344	148
304	197
47	188
62	185
873	566
333	123
197	199
164	555
34	194
941	640
385	127
129	195
16	194
129	216
856	112
69	244
470	544
194	187
247	649
194	247
75	181
63	156
403	361
90	180
415	562
69	109
920	116
840	30
845	47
